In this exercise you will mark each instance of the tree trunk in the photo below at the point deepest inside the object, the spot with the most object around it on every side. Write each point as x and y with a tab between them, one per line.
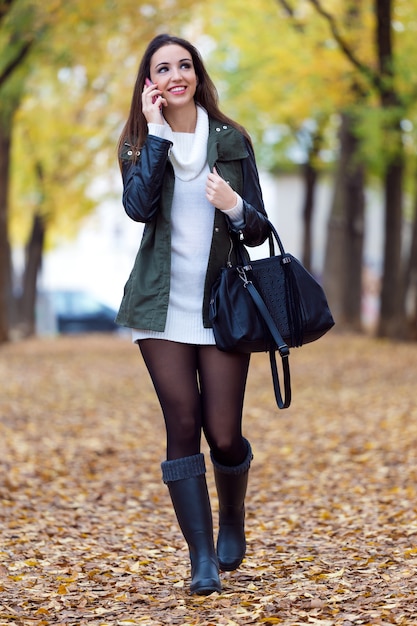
355	229
5	254
410	281
310	175
344	251
392	316
33	262
392	321
310	179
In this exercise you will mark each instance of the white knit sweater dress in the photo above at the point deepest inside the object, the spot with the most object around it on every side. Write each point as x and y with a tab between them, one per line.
192	218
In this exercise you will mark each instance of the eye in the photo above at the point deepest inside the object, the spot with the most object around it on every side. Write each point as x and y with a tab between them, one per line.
162	69
186	65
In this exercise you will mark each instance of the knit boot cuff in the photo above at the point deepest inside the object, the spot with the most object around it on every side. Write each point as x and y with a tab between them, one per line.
235	469
186	467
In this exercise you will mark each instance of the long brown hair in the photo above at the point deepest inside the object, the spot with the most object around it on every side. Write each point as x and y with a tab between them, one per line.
135	130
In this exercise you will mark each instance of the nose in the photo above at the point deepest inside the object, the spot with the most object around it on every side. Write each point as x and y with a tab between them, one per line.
176	73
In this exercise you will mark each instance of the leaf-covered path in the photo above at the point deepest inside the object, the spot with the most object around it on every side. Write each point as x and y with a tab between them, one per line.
87	531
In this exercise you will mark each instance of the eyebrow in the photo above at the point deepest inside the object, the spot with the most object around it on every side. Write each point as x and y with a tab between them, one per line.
180	61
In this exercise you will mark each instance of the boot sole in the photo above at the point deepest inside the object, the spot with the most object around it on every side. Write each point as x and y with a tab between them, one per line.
229	567
205	588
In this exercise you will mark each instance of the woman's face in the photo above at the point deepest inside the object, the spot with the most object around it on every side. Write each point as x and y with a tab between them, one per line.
172	69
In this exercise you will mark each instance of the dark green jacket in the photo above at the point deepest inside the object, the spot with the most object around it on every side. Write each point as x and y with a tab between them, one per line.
148	187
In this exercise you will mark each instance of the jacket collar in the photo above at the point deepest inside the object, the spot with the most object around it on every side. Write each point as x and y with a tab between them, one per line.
225	143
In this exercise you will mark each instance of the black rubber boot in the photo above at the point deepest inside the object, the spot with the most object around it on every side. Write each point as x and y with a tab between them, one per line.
187	486
231	483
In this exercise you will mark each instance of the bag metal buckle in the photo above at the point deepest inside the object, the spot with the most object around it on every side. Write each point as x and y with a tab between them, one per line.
242	275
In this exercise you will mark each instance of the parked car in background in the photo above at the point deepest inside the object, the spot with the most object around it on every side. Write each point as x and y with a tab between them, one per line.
70	311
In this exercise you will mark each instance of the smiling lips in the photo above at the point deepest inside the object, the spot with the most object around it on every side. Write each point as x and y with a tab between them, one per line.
177	90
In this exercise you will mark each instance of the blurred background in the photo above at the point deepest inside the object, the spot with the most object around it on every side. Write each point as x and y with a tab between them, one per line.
327	91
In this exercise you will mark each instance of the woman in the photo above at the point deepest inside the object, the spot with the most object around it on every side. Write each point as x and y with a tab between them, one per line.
189	174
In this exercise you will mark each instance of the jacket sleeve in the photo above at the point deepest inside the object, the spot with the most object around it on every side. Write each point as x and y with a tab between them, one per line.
256	229
142	180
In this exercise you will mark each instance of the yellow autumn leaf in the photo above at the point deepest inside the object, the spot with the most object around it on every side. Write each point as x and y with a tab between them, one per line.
42	611
135	567
337	574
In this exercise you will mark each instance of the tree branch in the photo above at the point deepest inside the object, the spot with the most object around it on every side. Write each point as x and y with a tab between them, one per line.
374	78
287	7
291	13
14	63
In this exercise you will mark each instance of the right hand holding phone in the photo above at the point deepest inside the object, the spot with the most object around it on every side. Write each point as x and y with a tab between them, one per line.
152	102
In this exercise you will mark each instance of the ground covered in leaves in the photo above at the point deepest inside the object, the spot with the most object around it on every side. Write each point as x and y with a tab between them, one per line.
87	531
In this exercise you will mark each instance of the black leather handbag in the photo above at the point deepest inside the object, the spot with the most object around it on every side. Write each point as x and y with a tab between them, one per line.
268	305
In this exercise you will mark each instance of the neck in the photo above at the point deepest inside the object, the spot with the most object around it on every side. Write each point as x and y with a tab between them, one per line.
182	121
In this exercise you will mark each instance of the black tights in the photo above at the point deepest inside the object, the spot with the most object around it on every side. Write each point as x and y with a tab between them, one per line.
200	389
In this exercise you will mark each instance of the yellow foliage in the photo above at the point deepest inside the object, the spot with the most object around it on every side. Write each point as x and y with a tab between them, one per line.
76	96
276	69
273	70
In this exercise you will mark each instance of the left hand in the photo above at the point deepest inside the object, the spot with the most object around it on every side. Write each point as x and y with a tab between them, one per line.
219	192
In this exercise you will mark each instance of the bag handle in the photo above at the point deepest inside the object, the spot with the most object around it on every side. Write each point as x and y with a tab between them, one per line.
243	253
273	233
282	347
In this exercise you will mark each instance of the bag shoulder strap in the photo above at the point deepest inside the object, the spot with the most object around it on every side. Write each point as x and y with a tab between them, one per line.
282	347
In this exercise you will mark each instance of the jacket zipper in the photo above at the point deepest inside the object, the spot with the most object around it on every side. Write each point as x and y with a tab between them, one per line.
229	256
